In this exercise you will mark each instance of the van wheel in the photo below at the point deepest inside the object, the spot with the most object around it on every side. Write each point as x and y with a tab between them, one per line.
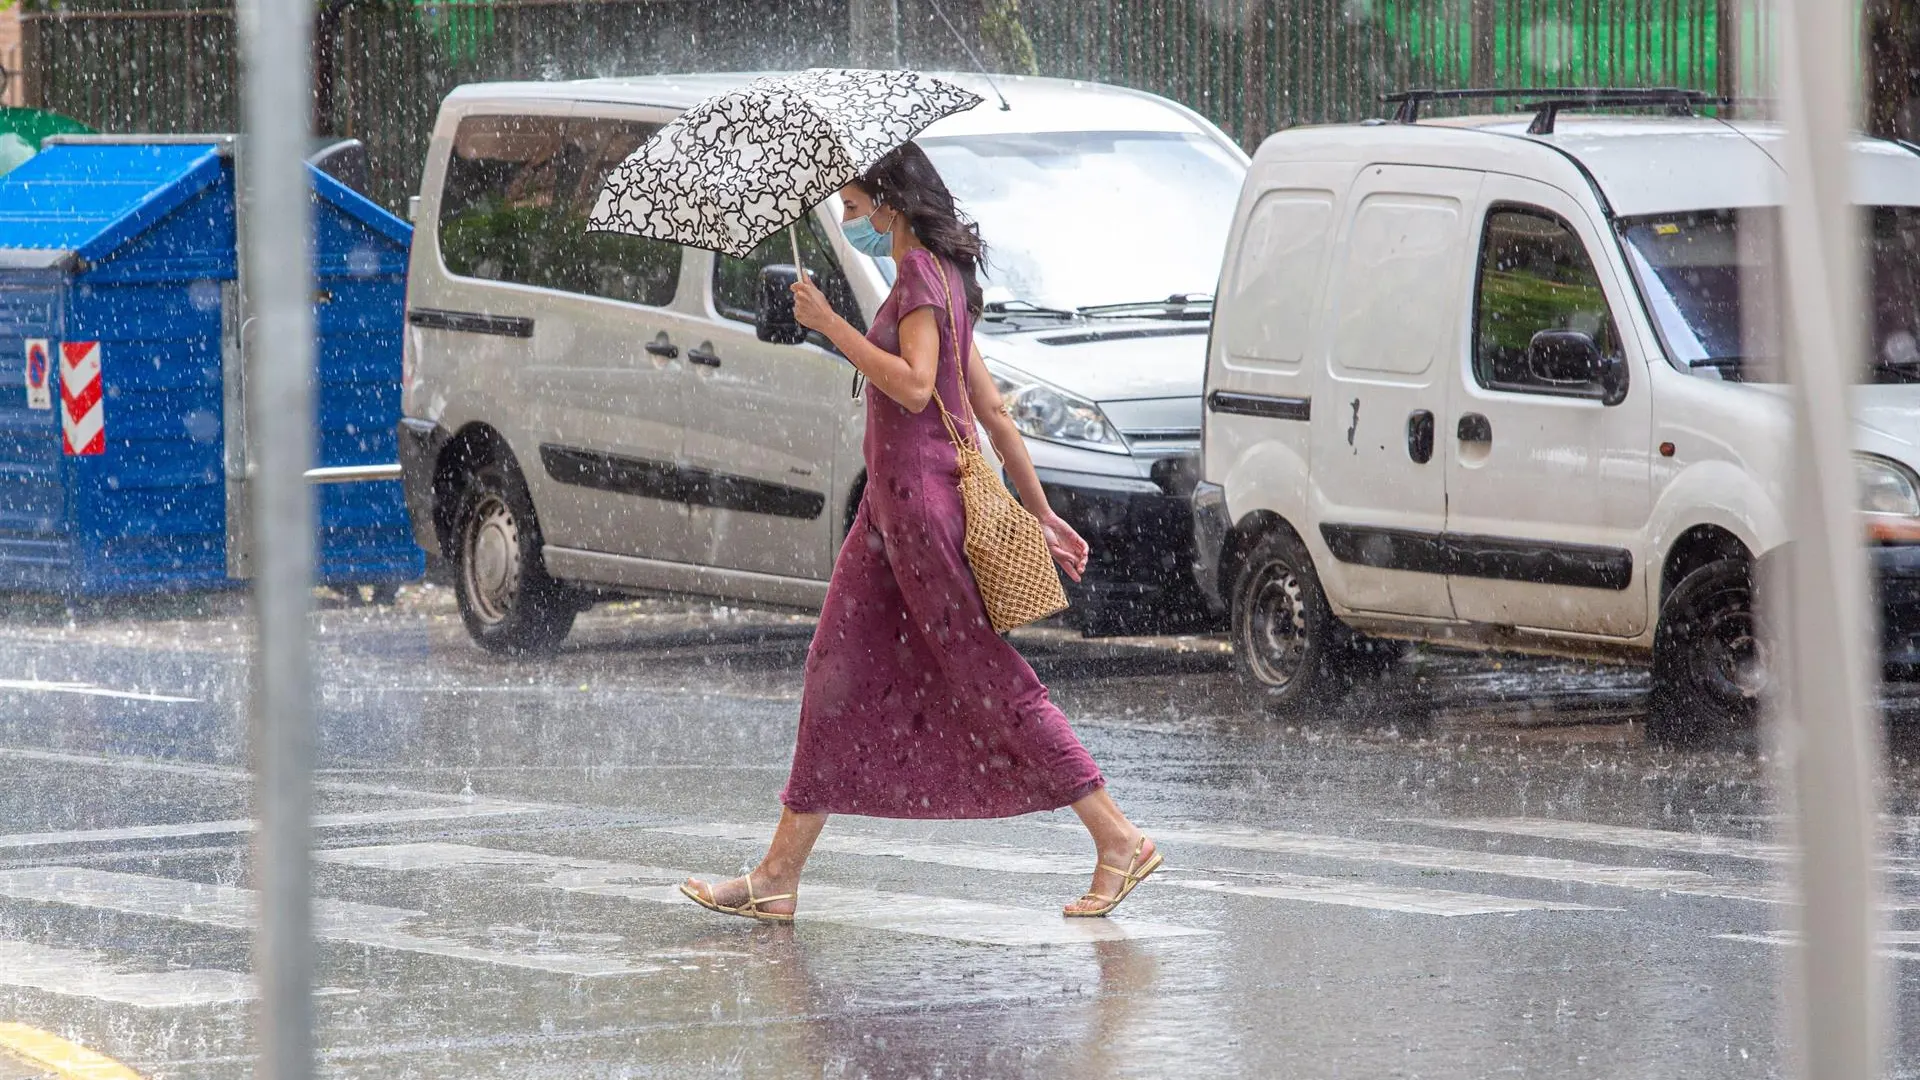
1291	653
507	600
1710	664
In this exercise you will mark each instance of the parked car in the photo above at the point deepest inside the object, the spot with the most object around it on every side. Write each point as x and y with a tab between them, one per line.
593	415
1481	381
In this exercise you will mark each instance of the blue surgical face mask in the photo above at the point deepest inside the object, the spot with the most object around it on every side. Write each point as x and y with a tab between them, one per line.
865	238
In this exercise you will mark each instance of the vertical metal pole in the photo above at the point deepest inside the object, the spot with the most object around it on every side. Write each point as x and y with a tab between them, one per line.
1830	731
279	291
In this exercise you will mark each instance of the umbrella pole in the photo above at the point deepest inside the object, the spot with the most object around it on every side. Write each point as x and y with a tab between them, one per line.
793	237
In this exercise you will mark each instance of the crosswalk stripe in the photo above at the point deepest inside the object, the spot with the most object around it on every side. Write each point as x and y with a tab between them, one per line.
994	858
1888	942
1442	902
1012	860
1682	843
89	690
902	913
81	973
478	808
1537	867
233	773
68	1060
1585	832
232	908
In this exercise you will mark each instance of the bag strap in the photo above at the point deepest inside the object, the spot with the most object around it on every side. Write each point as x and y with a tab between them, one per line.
954	423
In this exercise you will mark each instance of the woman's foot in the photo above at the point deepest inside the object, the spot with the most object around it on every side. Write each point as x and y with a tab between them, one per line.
761	899
1121	867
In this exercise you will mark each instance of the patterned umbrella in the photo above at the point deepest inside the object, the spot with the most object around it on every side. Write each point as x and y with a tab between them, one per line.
739	167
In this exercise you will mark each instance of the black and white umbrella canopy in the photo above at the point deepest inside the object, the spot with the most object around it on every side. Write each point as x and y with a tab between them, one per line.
740	166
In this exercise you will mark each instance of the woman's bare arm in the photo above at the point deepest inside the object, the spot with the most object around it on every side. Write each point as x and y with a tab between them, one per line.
908	378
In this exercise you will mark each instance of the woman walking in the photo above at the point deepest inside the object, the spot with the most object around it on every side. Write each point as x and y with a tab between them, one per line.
913	706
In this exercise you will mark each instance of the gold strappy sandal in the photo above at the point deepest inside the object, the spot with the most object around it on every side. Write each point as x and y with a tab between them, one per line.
748	910
1132	876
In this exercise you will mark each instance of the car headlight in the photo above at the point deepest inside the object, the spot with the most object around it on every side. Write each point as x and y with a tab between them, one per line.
1886	487
1043	411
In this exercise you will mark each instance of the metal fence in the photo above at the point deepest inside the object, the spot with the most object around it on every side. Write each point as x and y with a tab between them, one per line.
1253	66
1256	66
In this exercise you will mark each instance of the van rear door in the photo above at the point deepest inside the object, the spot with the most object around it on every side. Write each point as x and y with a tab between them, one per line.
1379	469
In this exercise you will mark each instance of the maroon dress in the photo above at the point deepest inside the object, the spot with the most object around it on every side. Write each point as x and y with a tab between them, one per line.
913	707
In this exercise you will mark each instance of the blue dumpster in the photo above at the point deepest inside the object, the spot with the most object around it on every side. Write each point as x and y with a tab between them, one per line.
123	465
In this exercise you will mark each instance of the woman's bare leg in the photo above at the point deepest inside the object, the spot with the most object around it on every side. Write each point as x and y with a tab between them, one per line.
1113	839
779	869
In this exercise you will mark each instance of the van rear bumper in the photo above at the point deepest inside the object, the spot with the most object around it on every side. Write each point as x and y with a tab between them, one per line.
1211	524
420	443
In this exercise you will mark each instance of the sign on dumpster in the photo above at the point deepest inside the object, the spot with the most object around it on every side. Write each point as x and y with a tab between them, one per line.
83	416
39	375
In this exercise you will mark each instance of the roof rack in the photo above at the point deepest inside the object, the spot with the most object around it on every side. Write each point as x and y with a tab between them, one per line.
1546	104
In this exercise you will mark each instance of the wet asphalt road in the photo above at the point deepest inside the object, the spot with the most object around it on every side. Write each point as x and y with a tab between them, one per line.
1480	870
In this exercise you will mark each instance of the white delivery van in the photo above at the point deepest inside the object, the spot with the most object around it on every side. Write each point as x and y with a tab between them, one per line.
595	415
1484	382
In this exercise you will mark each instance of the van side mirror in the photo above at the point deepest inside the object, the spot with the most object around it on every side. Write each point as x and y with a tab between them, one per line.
1569	360
773	315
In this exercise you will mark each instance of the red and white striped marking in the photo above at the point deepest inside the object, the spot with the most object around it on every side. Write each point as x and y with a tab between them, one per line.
83	415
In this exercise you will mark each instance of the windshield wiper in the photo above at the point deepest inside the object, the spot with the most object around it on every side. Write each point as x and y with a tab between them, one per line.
1020	309
1177	306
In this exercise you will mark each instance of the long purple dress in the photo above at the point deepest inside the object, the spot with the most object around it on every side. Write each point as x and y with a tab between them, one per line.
913	707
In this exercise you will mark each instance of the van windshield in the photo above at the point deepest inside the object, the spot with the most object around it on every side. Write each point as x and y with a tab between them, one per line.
1696	268
1081	218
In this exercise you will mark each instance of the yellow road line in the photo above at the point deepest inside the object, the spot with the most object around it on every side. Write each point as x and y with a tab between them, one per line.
68	1060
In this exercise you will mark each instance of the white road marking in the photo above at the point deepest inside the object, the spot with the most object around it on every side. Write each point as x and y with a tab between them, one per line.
1537	867
1684	843
479	808
1365	894
1584	832
77	973
1889	939
1012	860
89	690
901	913
232	908
235	774
969	856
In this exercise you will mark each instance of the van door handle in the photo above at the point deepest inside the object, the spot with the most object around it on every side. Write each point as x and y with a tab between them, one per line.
1420	436
704	355
1475	428
666	350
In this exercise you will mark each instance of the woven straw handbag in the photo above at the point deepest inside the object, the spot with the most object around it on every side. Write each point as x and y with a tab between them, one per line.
1005	545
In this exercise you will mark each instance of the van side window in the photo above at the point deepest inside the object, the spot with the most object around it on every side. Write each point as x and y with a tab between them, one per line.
515	204
1279	276
736	282
1535	276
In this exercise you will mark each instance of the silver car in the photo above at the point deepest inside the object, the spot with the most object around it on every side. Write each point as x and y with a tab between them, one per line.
588	416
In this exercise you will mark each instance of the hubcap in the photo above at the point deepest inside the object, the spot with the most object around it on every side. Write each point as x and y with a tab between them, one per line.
1276	628
1733	660
493	560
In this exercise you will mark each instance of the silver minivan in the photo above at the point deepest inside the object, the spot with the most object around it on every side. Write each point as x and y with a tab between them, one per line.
586	416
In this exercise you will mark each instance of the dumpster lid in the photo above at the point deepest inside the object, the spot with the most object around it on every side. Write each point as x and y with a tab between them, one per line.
84	199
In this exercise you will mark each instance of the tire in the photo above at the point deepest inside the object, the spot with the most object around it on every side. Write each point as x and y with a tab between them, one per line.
1292	655
507	600
1710	666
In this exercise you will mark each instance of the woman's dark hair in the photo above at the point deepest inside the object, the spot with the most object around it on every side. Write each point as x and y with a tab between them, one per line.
906	182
